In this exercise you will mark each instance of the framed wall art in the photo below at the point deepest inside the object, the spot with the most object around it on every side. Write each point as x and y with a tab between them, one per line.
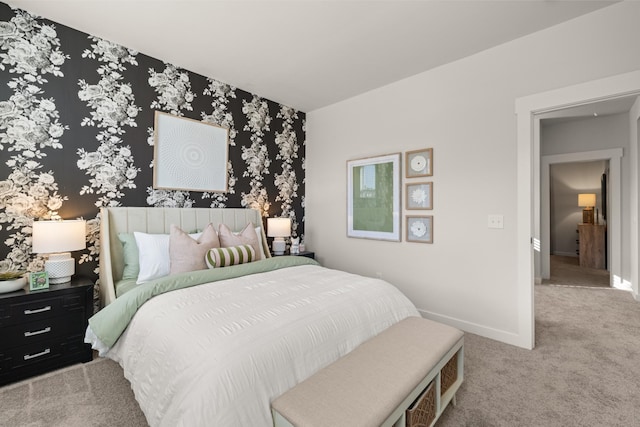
419	163
373	198
189	155
420	228
419	195
38	280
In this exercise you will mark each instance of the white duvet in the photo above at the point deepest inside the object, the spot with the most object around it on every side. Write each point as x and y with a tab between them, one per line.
217	354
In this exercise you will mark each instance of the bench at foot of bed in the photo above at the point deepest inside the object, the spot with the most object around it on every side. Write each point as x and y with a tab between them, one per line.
405	376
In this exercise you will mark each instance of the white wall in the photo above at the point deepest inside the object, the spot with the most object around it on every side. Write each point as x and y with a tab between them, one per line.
567	180
465	111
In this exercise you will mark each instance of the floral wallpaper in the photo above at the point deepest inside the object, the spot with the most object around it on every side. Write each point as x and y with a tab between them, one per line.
76	134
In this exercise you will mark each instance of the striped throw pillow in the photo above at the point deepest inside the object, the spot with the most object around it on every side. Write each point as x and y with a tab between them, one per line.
224	257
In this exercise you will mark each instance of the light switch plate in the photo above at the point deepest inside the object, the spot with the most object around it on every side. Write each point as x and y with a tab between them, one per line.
496	221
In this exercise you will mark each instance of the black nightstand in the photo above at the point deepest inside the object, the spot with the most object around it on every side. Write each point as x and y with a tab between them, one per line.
307	254
44	330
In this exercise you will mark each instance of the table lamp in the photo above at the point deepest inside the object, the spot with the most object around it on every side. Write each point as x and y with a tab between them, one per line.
587	201
279	228
58	239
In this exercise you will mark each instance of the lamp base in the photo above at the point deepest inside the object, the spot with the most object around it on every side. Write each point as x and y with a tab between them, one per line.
279	246
587	216
60	267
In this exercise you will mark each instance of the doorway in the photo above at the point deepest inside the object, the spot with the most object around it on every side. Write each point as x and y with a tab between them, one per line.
528	110
578	251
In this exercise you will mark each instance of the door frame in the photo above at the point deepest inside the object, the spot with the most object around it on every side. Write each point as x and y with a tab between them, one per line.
614	207
528	178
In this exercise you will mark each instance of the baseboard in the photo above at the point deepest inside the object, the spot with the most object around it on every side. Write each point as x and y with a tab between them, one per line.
474	328
571	254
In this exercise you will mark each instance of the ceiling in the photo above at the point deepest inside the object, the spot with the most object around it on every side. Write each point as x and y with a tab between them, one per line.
308	54
607	107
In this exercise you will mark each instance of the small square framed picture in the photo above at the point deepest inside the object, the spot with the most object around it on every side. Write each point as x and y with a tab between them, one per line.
419	163
38	280
419	195
420	229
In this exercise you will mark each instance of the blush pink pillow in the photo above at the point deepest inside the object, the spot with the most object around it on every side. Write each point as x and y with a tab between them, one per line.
247	236
186	253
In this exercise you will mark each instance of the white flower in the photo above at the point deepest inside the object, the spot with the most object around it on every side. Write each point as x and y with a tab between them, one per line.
419	196
6	189
418	228
56	130
54	203
48	31
46	178
56	58
47	105
6	108
7	29
38	191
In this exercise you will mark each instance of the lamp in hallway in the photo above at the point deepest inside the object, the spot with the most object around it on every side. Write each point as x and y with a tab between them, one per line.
587	201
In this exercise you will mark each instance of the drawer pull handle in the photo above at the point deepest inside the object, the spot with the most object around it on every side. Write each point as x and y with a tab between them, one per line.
41	331
39	310
33	356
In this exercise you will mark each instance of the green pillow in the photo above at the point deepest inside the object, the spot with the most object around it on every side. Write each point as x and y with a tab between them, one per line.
130	255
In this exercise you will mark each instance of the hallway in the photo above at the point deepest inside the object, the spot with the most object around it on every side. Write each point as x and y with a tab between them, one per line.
566	271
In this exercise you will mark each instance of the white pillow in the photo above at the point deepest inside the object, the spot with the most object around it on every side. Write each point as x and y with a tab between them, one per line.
153	250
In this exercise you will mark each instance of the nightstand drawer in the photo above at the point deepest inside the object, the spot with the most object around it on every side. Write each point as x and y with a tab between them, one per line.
41	330
31	354
31	310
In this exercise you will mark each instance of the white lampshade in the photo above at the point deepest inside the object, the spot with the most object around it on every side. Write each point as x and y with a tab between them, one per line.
58	238
586	200
279	228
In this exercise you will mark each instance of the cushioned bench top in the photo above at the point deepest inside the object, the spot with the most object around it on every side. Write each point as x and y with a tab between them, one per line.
365	386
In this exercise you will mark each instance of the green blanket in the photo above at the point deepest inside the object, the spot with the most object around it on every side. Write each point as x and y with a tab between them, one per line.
110	322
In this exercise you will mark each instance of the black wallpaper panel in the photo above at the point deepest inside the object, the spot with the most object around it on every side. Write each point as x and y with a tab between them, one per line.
76	133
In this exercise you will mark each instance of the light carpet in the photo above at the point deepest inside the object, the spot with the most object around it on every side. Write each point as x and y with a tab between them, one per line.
584	371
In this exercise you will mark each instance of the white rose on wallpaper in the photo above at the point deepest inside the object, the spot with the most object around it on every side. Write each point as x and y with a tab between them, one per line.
38	117
56	58
7	189
19	178
89	92
7	29
40	42
56	130
54	203
48	31
7	108
19	127
47	105
5	265
38	191
20	52
46	178
20	205
20	101
132	111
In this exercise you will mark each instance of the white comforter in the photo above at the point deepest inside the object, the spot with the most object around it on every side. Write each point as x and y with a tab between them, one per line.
217	354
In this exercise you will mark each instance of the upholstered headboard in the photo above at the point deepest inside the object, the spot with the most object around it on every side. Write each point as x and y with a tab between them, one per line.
158	221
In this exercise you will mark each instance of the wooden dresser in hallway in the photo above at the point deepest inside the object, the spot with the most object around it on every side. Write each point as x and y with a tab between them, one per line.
592	245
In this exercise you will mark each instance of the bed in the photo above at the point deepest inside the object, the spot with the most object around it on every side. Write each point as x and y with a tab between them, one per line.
214	347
